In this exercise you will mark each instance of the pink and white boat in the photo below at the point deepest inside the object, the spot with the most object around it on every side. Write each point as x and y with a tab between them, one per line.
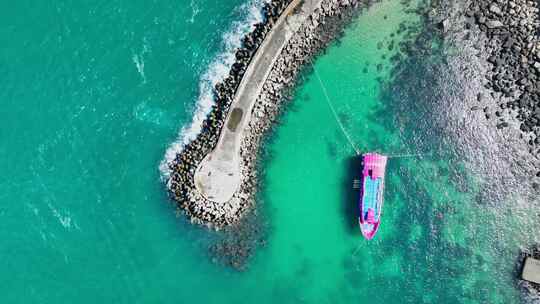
372	193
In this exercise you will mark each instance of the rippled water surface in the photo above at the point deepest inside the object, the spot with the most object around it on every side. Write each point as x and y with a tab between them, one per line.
95	95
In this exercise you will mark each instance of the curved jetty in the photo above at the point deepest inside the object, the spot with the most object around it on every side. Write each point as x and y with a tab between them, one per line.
218	176
213	178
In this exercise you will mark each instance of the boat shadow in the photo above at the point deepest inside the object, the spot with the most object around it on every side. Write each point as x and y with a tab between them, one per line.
353	172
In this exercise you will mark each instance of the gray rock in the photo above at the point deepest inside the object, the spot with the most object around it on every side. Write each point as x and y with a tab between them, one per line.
444	25
495	9
479	96
494	24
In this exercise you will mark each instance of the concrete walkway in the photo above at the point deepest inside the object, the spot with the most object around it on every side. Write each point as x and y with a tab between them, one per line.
218	176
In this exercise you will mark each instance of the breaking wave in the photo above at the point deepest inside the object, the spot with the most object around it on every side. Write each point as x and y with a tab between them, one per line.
217	71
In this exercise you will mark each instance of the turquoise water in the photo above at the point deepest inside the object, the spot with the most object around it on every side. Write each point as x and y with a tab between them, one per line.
93	97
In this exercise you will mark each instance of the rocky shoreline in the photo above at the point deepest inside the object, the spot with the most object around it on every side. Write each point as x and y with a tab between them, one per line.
489	49
320	28
513	48
491	64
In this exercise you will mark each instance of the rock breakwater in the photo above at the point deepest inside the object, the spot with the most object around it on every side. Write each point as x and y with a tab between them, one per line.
319	28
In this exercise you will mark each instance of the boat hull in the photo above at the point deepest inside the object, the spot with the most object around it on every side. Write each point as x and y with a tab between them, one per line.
371	194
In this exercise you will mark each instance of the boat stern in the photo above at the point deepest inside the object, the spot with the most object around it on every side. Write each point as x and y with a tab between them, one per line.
368	229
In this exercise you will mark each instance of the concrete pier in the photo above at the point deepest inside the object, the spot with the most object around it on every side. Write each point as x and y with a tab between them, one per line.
218	176
531	270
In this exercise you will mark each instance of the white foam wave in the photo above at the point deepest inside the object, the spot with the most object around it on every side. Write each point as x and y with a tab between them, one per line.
195	11
217	71
64	219
138	60
139	64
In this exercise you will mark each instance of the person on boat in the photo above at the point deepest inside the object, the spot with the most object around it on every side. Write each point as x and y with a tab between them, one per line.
370	216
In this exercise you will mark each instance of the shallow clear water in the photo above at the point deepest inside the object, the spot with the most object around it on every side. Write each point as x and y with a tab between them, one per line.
93	97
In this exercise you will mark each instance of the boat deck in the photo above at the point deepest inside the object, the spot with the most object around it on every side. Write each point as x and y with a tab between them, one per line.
370	197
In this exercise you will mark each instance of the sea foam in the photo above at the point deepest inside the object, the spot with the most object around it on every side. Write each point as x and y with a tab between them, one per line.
217	71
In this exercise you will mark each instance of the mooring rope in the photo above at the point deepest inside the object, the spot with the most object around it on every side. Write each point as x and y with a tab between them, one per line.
336	117
342	127
409	155
329	102
349	139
